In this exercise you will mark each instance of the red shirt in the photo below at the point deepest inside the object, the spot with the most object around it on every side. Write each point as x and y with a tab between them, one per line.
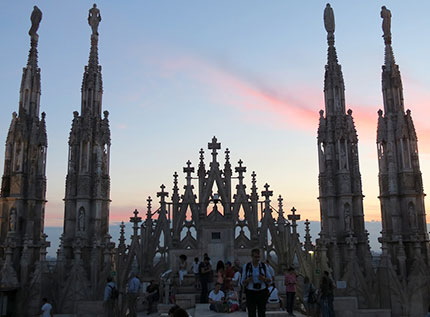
229	274
290	282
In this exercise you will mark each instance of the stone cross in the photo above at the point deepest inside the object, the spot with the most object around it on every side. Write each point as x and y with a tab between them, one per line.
240	169
351	241
135	220
162	194
267	193
188	170
214	146
293	217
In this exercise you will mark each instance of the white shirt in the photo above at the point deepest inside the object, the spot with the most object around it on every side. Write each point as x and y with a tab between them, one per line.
236	277
270	270
196	268
274	297
216	297
46	310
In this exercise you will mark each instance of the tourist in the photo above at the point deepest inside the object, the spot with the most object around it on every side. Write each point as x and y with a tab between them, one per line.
180	312
228	275
110	296
153	294
290	287
216	299
237	265
195	269
132	294
182	267
309	297
220	273
235	281
326	297
172	293
255	279
46	309
270	269
172	310
205	272
273	294
232	299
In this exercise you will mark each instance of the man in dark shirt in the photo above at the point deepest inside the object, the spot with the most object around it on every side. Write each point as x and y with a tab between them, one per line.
205	271
153	294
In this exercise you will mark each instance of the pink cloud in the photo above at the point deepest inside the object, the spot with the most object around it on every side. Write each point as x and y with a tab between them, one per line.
294	107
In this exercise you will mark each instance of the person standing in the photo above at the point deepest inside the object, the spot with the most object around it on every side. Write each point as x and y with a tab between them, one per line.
271	270
229	274
195	269
153	294
309	296
132	294
220	273
182	267
255	280
326	299
290	287
109	297
46	309
205	271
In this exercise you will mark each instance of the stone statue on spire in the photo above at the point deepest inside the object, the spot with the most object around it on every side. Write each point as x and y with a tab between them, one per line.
36	17
329	20
386	24
94	19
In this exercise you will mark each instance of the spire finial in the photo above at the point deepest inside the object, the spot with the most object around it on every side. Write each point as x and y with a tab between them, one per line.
329	23
36	17
386	25
94	19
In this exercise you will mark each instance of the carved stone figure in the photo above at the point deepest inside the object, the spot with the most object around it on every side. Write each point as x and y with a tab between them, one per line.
329	19
386	23
81	220
347	217
94	19
12	220
36	17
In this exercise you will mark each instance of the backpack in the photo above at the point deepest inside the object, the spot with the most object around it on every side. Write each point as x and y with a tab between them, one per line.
261	266
114	293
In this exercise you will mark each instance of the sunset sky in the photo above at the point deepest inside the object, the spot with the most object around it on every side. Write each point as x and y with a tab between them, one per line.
176	73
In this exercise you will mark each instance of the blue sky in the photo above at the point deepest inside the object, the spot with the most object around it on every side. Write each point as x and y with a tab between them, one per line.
177	73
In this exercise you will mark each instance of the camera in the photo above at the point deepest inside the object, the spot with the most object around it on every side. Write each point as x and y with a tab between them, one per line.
257	285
